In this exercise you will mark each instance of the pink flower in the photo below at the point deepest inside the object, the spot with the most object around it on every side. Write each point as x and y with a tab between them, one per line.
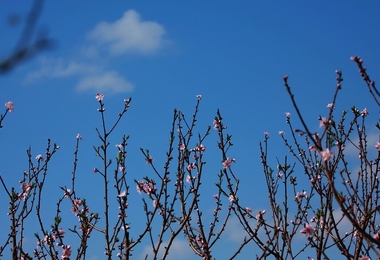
281	133
191	166
288	115
200	148
199	97
9	105
377	146
365	112
149	160
61	232
78	202
364	257
331	105
227	163
266	135
26	187
327	155
139	187
79	137
248	209
182	147
66	252
188	179
259	216
99	97
127	101
308	230
216	123
39	158
147	187
312	148
301	195
67	193
231	198
122	194
324	122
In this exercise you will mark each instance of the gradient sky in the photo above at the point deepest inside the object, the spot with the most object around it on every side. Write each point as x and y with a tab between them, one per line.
162	54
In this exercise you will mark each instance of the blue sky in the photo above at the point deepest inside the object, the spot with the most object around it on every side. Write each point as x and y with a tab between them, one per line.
162	54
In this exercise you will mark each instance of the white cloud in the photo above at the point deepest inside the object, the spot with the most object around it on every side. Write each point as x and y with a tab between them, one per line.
129	34
108	81
179	249
58	68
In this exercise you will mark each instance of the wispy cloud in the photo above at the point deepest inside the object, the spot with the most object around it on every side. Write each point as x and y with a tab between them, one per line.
179	249
92	64
109	80
129	34
59	68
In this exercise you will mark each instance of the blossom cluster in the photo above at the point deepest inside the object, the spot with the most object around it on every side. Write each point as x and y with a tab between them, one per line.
146	186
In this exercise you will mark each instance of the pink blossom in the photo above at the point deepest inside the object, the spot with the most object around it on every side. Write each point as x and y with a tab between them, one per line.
227	163
127	101
67	193
188	179
182	147
96	170
199	97
139	186
376	236
79	137
78	202
66	252
330	106
287	115
364	257
231	198
149	160
365	112
61	232
324	122
377	146
301	195
259	216
281	133
215	196
39	158
312	148
99	97
308	230
191	166
147	187
200	148
9	105
248	209
26	187
122	194
327	155
216	123
266	135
